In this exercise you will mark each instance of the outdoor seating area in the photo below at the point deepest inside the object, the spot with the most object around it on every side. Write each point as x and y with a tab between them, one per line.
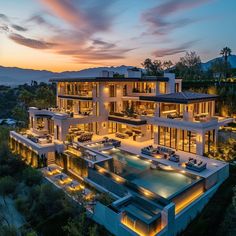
109	141
84	137
62	179
194	164
54	174
149	150
52	170
43	139
91	156
121	135
174	157
78	135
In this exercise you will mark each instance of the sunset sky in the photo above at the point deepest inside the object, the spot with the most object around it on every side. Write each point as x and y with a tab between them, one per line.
63	35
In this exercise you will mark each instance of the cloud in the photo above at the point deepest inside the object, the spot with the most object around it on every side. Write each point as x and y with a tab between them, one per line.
172	51
19	28
103	44
32	43
4	17
158	17
76	39
89	17
4	29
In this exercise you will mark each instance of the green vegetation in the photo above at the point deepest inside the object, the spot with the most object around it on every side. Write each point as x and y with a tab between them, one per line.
106	199
45	209
14	102
226	105
189	67
214	219
226	151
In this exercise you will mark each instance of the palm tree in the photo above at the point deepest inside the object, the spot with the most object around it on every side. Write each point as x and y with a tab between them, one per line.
226	52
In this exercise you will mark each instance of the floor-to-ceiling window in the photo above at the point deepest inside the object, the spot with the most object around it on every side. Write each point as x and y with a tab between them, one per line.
187	141
183	140
209	141
167	136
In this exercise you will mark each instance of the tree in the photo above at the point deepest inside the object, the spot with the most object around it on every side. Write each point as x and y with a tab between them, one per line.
153	68
77	227
8	231
218	66
31	176
26	97
167	64
189	66
7	186
226	52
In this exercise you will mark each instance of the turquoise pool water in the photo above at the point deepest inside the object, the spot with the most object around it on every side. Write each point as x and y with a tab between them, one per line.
162	182
127	159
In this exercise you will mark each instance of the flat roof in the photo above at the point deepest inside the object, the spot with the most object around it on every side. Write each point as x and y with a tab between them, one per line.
112	79
180	97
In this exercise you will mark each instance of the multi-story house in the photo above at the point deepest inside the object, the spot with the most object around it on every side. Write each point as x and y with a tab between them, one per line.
139	111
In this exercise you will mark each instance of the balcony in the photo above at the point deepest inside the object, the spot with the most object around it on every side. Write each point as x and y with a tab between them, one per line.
188	124
79	96
120	117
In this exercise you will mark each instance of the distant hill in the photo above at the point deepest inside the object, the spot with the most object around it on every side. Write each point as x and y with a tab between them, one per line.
13	76
231	59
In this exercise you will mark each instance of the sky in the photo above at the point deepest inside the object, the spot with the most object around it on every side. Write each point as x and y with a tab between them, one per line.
63	35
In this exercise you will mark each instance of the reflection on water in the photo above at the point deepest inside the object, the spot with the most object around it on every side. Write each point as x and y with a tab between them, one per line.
131	167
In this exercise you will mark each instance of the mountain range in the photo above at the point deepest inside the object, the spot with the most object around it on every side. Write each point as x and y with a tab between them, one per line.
14	76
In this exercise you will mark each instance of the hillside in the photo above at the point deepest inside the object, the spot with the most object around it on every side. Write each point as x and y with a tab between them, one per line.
13	76
207	65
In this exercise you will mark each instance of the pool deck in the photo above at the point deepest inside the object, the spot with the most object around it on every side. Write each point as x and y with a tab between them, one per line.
129	145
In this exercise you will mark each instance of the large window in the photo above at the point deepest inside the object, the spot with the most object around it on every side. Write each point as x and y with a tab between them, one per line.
162	87
112	90
177	139
209	141
187	141
167	136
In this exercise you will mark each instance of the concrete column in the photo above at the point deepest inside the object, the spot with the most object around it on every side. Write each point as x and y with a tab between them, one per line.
155	129
103	128
75	107
157	88
168	219
200	143
157	110
212	108
171	82
188	112
178	139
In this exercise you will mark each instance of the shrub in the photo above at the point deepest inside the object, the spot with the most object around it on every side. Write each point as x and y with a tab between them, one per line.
31	176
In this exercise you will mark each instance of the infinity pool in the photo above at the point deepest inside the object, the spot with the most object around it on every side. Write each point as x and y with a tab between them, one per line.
127	160
162	182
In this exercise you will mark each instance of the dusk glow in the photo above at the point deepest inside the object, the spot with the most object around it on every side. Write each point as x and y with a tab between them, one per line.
63	35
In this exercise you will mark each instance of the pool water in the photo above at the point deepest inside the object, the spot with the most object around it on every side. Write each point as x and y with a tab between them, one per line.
162	182
128	159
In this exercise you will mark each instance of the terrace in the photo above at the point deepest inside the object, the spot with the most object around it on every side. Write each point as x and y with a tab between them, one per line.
71	186
132	146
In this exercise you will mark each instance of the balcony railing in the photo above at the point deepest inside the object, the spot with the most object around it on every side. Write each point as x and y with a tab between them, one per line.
122	118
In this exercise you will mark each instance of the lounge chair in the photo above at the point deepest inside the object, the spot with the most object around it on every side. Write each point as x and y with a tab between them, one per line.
174	158
121	135
165	150
198	166
149	150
